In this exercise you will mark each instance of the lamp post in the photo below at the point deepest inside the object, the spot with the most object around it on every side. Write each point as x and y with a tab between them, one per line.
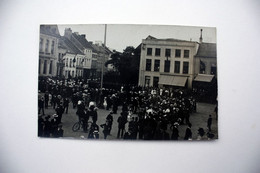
102	62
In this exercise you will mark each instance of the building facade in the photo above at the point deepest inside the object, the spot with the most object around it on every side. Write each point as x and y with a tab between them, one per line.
167	62
206	59
85	66
205	81
102	55
71	59
48	50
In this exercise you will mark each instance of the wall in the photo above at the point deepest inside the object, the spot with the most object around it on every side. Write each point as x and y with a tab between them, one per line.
163	45
48	56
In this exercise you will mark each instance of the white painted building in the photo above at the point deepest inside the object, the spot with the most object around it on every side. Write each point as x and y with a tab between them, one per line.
48	50
167	62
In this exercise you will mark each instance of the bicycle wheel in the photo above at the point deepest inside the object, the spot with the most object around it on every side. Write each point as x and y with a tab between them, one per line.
76	127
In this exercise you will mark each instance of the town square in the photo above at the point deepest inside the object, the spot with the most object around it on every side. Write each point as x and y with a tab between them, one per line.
159	89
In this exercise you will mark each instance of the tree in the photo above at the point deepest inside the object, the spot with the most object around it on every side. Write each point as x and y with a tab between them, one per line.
126	64
115	60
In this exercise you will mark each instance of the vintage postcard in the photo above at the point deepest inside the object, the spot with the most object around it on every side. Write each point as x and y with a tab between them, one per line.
127	82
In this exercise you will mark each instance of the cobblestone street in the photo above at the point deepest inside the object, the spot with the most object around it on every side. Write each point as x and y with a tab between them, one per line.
198	119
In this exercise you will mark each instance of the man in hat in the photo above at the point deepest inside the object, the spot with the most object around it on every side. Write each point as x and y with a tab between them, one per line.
58	132
115	103
92	112
66	105
59	112
109	118
106	128
201	133
209	123
188	133
41	105
122	120
40	125
46	99
47	126
175	132
94	131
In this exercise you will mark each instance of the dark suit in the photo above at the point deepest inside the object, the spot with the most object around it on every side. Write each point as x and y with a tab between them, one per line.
188	134
175	133
58	133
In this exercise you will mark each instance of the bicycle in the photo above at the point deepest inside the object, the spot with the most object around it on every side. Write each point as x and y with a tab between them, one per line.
80	125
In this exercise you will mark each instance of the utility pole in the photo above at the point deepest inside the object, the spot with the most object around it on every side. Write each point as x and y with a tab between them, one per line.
102	72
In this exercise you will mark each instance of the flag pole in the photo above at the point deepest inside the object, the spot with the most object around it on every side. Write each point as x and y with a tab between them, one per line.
102	72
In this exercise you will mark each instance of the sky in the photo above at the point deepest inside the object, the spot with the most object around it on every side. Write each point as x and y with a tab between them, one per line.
119	36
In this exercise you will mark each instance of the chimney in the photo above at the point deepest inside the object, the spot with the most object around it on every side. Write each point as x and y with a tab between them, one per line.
68	33
201	39
83	35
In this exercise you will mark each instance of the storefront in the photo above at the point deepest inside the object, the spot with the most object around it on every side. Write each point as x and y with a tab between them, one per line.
205	88
170	81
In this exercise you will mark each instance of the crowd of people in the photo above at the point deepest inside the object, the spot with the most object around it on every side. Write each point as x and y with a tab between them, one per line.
147	113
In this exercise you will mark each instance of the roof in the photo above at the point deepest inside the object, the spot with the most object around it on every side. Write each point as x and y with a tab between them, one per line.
207	50
204	78
83	41
168	39
150	37
101	49
67	44
95	48
51	30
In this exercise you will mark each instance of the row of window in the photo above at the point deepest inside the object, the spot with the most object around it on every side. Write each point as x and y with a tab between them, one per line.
71	73
79	61
61	56
167	66
87	51
155	81
178	52
47	49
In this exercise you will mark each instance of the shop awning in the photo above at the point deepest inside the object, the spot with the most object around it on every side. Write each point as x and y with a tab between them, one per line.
173	80
204	78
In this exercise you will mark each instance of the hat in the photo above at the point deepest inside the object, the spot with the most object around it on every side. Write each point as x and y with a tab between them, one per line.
201	130
176	124
91	104
55	115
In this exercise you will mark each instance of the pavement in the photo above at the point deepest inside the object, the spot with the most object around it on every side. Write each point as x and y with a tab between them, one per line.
198	120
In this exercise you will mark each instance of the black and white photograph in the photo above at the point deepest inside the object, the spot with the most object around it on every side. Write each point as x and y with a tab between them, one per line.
127	82
129	86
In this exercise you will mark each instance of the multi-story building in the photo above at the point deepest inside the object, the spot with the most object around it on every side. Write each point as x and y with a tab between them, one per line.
83	65
102	55
48	50
167	62
73	59
205	81
206	59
